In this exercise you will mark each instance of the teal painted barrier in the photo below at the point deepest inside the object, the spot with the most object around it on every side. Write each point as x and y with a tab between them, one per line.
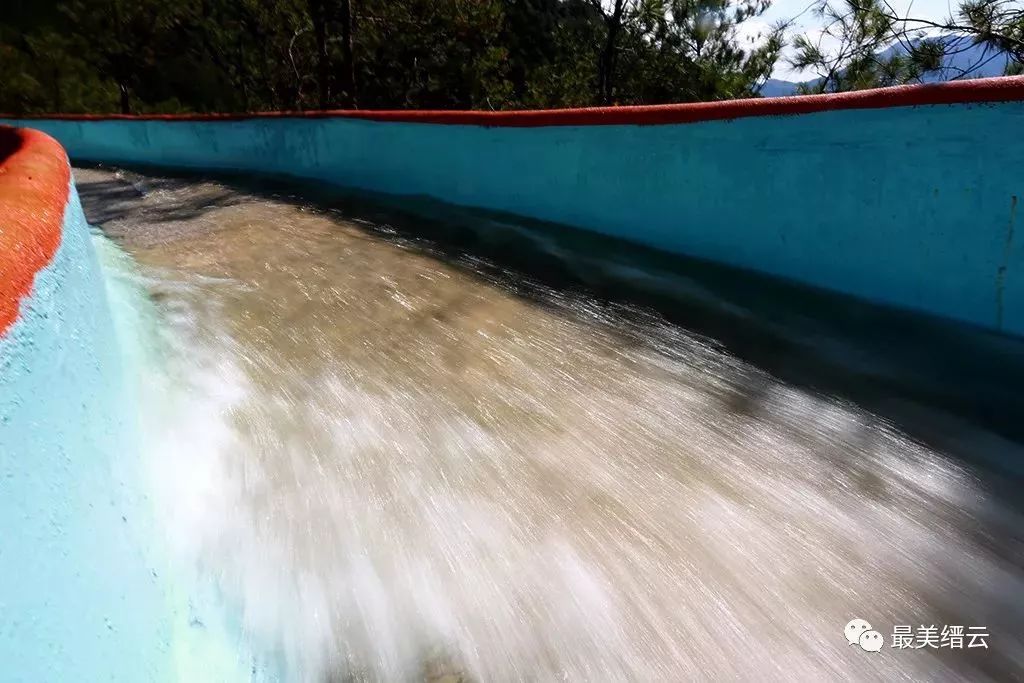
80	595
88	588
906	197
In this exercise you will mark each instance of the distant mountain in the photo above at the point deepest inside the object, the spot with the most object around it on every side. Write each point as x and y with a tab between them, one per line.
975	61
978	61
774	87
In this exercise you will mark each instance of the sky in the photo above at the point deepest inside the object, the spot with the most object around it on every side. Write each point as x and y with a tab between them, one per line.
934	10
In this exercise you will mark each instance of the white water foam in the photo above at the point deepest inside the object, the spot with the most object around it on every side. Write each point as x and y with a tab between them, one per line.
410	474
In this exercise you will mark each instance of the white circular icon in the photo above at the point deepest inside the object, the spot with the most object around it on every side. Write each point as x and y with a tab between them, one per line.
871	641
855	629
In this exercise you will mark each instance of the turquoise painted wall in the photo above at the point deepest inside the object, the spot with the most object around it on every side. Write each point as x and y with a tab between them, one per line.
913	207
81	598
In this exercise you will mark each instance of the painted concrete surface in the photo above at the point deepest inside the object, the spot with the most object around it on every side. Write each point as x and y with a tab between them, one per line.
205	643
914	207
80	596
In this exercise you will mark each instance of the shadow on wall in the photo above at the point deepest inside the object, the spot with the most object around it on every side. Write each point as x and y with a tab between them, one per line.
899	365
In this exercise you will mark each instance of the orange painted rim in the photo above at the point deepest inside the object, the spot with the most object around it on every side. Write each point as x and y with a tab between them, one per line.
34	181
1004	89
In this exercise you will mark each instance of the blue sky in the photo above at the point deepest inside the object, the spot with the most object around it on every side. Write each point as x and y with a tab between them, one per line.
785	9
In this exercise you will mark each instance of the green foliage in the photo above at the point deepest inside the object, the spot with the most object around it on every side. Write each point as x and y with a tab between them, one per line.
41	71
429	54
692	47
859	35
235	55
999	23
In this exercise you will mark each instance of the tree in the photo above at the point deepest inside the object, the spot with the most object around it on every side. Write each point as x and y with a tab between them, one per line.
231	55
613	17
554	49
121	38
438	54
348	68
318	11
875	46
690	50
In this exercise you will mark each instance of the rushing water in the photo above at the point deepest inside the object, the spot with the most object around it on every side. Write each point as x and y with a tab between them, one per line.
396	463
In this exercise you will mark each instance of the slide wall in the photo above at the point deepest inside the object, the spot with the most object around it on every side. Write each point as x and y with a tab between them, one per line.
908	196
80	599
